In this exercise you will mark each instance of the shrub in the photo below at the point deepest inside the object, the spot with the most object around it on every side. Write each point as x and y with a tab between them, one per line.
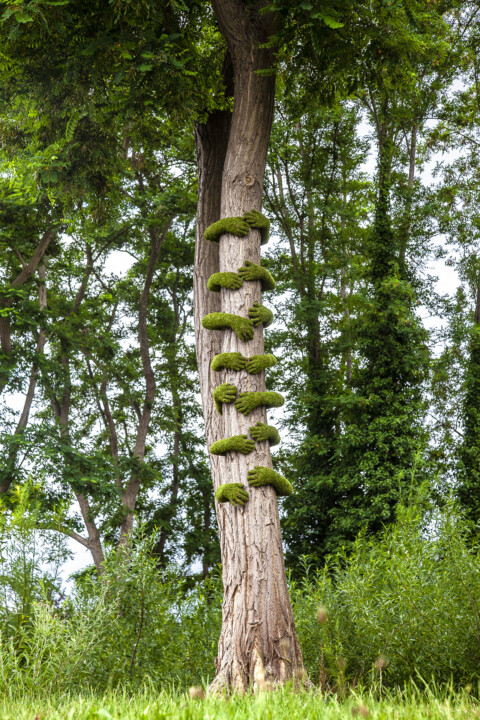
403	606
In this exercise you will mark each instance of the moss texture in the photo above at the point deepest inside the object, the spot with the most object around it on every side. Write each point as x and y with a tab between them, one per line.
257	363
240	226
236	443
224	394
259	476
242	327
229	280
233	493
229	361
260	315
251	271
248	401
258	220
261	432
232	225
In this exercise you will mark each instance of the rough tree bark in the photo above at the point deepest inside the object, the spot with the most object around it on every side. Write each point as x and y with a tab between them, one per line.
258	644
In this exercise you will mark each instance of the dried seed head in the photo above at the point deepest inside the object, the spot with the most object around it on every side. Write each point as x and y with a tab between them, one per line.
322	616
360	710
196	693
381	663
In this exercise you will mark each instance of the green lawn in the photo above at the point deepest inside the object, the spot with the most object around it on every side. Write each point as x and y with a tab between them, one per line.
272	706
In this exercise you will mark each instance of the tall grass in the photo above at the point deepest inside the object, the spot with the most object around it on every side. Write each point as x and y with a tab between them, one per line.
150	704
399	609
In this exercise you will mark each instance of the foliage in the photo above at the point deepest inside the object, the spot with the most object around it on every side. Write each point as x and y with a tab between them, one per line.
397	609
162	631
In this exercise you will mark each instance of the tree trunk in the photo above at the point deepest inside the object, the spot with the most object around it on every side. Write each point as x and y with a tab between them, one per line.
258	643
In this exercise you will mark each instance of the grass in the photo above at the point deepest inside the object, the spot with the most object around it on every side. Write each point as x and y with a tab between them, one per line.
281	705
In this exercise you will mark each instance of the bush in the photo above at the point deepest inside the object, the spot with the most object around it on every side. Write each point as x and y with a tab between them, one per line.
131	625
398	608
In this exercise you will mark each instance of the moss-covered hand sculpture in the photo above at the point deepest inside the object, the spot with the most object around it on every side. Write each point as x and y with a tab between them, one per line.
257	363
232	225
242	327
248	401
229	280
224	394
240	226
250	271
260	315
259	476
261	432
257	220
233	493
237	443
228	361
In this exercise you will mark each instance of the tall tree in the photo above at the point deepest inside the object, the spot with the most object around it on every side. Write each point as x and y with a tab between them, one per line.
319	198
258	641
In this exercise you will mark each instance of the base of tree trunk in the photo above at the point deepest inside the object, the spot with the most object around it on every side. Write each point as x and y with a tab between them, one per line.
241	675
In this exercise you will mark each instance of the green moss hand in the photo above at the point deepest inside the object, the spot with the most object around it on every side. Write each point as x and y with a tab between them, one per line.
233	493
259	476
242	327
228	361
248	401
257	220
224	394
261	432
257	363
237	443
250	271
260	315
229	280
232	225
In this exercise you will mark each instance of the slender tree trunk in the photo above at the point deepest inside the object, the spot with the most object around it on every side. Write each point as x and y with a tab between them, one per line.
258	643
133	485
10	464
25	274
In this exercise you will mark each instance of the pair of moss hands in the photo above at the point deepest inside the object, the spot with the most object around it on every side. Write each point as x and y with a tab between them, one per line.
246	402
240	226
236	361
242	444
242	327
234	281
258	476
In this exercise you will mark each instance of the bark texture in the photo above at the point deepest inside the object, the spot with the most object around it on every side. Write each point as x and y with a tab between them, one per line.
258	644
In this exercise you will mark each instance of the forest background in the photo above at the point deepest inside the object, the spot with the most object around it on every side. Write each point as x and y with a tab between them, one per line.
372	189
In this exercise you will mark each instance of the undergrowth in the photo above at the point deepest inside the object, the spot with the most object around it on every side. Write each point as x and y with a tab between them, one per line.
404	608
